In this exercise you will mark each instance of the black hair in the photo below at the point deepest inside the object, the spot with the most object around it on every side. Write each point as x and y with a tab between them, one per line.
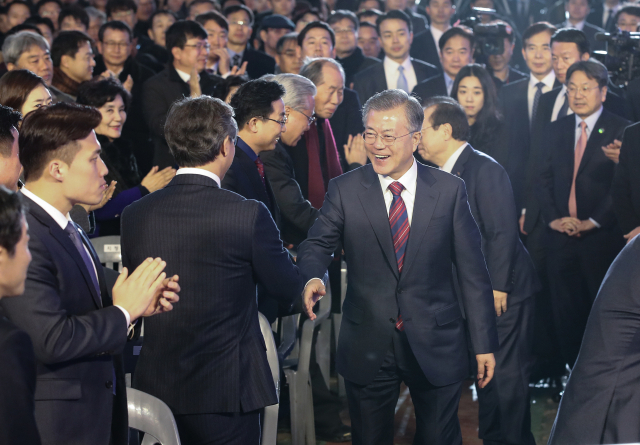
77	12
222	89
289	37
572	35
18	2
368	25
161	12
98	92
449	111
537	28
11	219
593	69
9	119
380	4
37	20
394	14
200	2
115	25
457	31
44	2
254	99
223	2
368	13
120	5
313	25
23	27
67	43
213	16
340	14
631	9
235	8
181	31
489	118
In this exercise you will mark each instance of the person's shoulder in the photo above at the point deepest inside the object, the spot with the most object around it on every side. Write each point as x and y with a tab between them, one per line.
441	179
517	85
258	55
591	27
424	65
374	70
632	132
609	118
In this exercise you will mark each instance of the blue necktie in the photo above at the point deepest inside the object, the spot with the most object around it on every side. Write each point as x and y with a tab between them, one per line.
88	262
402	81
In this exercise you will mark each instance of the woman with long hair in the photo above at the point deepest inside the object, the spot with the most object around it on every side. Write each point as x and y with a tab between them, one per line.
476	92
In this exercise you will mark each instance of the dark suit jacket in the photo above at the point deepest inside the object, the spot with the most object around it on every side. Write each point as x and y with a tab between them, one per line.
625	190
434	86
633	94
298	215
158	94
77	338
419	22
597	14
208	354
514	76
259	63
595	174
355	63
17	387
600	402
491	201
425	48
347	120
373	80
443	233
590	31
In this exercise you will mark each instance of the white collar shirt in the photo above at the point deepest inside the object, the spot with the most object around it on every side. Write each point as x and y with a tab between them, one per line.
451	162
391	73
548	82
199	171
409	180
436	33
558	104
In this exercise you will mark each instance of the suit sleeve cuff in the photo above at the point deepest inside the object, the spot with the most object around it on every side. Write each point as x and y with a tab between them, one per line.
524	211
595	223
305	286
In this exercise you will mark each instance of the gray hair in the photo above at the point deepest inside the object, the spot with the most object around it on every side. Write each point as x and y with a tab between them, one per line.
17	44
297	89
95	13
593	69
390	99
312	69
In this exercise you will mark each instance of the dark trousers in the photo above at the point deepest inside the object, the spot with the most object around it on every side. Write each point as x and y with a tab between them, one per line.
372	406
576	270
219	428
505	415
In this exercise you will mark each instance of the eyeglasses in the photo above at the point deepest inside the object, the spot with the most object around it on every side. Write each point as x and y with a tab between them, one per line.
240	23
282	122
200	46
370	138
344	31
119	14
572	91
123	45
311	119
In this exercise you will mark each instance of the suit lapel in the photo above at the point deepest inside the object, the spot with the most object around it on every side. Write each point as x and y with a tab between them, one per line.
375	208
458	167
598	134
379	78
423	207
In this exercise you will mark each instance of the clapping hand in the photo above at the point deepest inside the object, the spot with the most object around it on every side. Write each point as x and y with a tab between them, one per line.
354	150
166	296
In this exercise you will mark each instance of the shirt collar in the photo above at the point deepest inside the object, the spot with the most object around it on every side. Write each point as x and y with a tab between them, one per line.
199	171
390	64
408	180
184	76
54	213
548	80
448	81
451	162
244	147
591	120
578	25
233	53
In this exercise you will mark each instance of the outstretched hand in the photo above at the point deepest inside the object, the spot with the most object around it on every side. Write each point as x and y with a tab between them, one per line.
313	291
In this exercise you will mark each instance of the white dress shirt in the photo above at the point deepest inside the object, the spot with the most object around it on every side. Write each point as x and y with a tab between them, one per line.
448	81
558	104
579	25
198	171
548	85
409	180
591	123
186	77
436	33
448	166
63	221
391	73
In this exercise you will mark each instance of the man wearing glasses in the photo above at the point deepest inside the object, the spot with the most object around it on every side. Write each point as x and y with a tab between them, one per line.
403	226
186	40
261	118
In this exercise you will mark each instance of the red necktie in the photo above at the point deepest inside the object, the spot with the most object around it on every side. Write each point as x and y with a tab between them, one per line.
581	145
260	166
399	222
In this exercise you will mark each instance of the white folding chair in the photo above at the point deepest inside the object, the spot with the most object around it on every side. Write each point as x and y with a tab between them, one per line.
153	417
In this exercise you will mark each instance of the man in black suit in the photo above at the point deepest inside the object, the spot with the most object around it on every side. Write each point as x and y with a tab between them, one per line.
603	14
575	196
207	360
425	45
456	50
402	320
577	12
419	22
598	405
78	326
345	25
504	403
398	69
633	93
185	76
625	190
240	28
18	370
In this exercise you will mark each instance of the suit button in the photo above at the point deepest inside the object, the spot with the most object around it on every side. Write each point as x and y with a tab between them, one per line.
109	384
392	320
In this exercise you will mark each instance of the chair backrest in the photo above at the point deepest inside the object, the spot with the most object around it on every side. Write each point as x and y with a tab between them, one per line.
153	417
270	418
108	250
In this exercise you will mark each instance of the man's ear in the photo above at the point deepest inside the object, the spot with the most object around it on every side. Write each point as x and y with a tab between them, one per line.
410	37
57	169
64	61
585	56
99	45
150	33
263	35
11	66
175	52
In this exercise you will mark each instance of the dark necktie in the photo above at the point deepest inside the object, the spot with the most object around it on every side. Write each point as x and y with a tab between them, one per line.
564	108
235	61
72	231
260	166
536	100
399	222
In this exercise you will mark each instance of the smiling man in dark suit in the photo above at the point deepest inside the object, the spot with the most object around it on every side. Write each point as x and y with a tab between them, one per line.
575	195
504	403
398	69
78	326
403	225
208	360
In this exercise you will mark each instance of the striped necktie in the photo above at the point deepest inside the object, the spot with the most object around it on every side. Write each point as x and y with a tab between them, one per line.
399	222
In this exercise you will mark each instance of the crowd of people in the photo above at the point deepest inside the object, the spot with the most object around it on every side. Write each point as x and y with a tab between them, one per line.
243	149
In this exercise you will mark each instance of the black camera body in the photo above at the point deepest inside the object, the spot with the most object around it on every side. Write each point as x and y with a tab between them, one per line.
489	37
622	57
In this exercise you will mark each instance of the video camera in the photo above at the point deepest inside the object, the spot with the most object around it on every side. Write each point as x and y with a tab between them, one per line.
489	37
622	57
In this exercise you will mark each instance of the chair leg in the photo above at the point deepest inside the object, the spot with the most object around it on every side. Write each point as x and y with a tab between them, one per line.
310	425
